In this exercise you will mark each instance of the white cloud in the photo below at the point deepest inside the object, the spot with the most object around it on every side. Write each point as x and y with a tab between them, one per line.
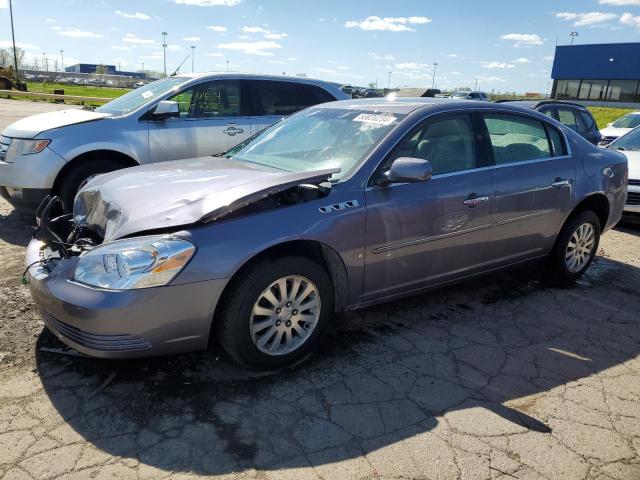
4	4
26	46
275	35
324	70
137	15
548	57
254	30
191	39
630	20
523	38
217	28
48	20
77	33
252	48
245	37
413	66
376	56
586	19
491	79
522	60
174	48
343	67
494	65
216	54
450	55
120	47
620	2
131	38
456	73
391	24
209	3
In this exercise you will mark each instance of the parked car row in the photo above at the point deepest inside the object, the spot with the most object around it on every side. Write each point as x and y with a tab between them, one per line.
317	205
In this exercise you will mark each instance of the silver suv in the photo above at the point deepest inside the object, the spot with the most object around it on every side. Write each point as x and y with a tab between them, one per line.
177	117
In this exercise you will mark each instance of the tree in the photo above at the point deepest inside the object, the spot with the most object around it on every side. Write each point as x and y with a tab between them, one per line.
101	69
6	56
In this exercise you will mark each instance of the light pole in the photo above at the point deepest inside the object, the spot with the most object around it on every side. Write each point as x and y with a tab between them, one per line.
13	39
389	81
433	82
227	65
573	35
143	75
44	61
164	51
193	53
62	59
476	87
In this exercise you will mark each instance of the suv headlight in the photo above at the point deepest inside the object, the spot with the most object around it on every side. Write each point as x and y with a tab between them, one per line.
20	146
134	263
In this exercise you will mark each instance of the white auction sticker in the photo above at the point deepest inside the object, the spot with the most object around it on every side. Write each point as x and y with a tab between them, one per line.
375	118
146	94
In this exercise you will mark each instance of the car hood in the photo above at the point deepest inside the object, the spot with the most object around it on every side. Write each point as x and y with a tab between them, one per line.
32	126
181	192
614	132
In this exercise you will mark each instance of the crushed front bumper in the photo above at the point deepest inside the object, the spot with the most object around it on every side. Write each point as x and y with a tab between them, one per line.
120	323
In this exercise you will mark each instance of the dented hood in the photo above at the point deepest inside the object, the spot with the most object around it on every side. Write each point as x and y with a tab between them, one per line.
181	192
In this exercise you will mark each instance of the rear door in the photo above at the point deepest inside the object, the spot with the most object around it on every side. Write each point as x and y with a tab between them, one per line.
213	118
428	232
533	178
274	100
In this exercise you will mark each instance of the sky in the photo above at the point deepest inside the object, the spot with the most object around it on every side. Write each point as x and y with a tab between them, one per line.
507	45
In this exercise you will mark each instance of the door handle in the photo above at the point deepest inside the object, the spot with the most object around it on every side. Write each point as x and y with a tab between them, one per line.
233	130
561	182
473	200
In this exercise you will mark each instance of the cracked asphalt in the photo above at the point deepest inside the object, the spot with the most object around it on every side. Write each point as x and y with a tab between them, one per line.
500	378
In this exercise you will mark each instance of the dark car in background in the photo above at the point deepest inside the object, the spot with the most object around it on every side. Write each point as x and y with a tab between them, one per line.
577	117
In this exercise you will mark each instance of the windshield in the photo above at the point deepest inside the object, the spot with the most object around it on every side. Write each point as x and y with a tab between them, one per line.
632	120
460	94
318	138
138	97
630	141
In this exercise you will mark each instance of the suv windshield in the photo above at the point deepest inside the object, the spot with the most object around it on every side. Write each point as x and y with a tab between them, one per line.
630	141
318	138
631	120
461	95
138	97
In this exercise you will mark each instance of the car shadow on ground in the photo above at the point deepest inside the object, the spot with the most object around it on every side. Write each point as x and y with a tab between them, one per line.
16	226
478	353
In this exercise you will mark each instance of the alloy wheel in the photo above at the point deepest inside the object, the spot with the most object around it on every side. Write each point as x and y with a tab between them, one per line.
580	247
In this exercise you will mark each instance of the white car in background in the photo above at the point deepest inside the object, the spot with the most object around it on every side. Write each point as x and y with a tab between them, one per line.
629	145
618	128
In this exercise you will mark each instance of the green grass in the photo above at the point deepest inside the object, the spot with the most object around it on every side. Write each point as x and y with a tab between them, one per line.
606	115
81	90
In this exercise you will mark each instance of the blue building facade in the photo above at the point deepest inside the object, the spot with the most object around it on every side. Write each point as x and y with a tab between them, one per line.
109	70
607	72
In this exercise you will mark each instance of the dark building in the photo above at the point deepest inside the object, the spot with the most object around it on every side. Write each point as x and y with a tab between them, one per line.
108	70
607	72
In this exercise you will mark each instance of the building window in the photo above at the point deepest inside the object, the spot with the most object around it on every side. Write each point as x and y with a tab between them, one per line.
622	91
593	89
568	89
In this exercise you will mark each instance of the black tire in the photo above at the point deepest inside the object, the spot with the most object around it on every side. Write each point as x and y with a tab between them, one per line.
560	271
233	321
79	174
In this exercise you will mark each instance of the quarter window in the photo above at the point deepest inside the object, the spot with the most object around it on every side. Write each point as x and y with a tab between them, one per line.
516	139
447	143
280	98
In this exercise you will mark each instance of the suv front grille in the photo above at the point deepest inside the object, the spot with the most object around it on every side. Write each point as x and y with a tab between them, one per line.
634	182
4	147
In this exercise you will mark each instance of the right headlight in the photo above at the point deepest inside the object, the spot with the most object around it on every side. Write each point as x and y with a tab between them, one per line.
21	146
134	263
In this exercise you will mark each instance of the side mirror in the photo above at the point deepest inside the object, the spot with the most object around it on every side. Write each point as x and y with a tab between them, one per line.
408	170
165	109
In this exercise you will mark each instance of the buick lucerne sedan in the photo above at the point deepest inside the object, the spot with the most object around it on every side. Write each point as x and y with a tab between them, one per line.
336	207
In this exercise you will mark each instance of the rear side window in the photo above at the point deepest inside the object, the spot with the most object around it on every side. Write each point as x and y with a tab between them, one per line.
516	139
319	95
280	98
588	120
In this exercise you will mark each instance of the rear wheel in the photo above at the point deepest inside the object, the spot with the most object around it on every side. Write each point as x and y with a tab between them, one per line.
80	174
576	246
276	312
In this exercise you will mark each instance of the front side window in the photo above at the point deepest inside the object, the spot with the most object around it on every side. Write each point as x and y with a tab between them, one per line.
210	100
630	141
448	144
319	138
516	139
280	98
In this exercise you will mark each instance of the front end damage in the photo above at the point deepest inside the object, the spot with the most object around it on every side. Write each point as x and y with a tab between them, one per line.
126	323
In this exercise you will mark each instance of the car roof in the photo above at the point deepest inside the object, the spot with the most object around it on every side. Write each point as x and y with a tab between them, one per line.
539	103
251	76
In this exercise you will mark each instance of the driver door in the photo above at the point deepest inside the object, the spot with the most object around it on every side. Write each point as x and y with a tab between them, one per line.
213	118
429	232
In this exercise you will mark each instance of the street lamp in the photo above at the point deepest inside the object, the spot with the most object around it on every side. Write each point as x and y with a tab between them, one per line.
476	88
164	51
389	81
227	65
193	53
433	82
573	35
13	39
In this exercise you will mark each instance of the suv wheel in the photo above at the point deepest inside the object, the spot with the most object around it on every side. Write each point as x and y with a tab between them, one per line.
576	246
276	312
79	175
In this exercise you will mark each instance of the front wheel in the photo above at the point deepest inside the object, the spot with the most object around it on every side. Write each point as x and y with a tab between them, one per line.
576	246
276	312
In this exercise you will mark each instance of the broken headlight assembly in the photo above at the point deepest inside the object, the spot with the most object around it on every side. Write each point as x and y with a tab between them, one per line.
134	263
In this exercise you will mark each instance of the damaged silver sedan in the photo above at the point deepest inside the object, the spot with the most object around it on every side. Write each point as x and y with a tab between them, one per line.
337	207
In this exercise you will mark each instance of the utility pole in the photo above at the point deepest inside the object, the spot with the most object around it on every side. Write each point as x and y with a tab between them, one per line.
573	35
44	61
433	82
476	87
389	81
193	54
13	39
227	65
164	51
62	58
143	74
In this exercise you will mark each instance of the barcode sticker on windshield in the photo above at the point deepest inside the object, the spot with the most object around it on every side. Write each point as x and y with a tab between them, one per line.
375	118
146	94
